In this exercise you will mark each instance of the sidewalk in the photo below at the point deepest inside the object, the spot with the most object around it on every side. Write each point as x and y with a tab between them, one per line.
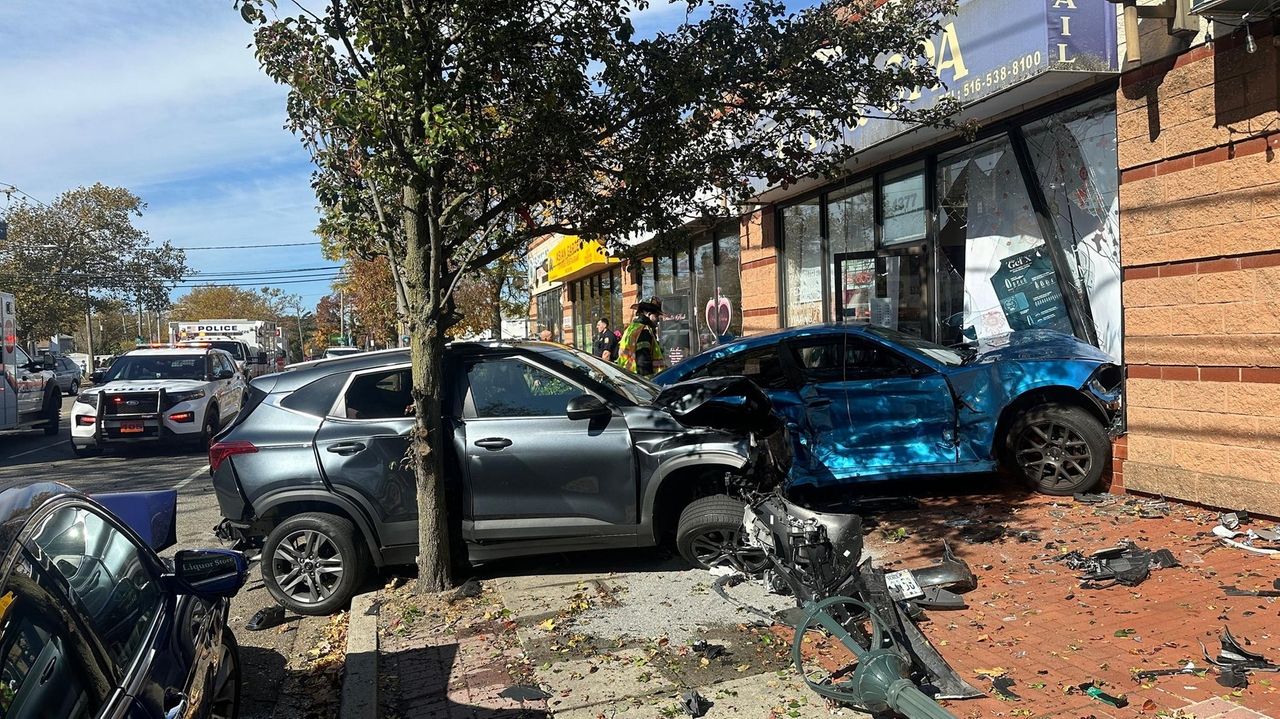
620	644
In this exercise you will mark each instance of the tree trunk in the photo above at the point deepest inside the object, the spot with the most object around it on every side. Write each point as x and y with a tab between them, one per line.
427	353
497	308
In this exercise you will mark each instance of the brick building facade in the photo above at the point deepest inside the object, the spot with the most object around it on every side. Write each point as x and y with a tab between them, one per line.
1199	129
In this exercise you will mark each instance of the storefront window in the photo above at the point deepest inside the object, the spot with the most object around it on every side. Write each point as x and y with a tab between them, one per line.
665	279
1074	154
903	207
852	224
676	329
803	263
550	314
995	273
727	316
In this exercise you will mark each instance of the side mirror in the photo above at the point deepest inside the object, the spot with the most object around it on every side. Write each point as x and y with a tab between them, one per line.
210	573
585	406
223	374
97	375
262	358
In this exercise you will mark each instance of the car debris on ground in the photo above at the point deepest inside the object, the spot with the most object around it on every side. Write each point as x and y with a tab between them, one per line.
1126	564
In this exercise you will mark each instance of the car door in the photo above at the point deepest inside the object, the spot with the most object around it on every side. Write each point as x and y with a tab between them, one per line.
530	470
81	571
873	411
30	384
231	389
363	450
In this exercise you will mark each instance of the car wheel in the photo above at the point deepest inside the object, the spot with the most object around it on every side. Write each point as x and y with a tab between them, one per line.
226	681
208	431
311	563
75	388
52	412
1058	449
709	534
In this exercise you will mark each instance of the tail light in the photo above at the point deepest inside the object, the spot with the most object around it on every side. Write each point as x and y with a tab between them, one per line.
221	451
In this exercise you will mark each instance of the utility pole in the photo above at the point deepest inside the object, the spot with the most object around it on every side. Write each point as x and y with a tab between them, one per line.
88	326
342	315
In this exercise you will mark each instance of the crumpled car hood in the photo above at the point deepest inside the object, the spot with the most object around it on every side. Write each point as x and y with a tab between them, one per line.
1036	345
727	403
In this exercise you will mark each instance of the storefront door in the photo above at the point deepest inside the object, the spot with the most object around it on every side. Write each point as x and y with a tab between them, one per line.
888	289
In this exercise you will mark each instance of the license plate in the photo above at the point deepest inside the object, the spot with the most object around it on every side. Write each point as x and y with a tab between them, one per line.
131	427
902	585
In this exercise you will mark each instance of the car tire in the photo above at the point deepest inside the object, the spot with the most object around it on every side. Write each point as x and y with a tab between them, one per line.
52	412
292	565
709	533
208	431
227	680
1058	449
75	388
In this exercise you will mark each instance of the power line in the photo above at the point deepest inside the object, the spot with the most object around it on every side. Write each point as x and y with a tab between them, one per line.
246	247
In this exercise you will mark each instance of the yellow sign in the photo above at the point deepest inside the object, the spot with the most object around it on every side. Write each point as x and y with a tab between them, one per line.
573	257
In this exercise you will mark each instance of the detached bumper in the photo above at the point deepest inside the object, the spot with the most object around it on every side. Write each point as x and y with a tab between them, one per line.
237	535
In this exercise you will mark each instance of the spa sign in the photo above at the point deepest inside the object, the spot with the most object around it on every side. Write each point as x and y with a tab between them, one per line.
989	46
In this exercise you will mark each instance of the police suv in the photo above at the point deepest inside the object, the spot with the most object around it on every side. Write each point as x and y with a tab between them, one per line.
158	394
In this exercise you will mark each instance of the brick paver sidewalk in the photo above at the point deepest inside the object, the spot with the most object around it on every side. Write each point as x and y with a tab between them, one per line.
1030	616
1029	619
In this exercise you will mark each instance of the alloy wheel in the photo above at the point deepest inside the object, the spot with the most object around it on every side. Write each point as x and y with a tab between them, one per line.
307	566
723	547
1052	453
226	686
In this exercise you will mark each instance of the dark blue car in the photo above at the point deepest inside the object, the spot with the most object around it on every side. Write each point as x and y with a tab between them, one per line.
867	403
93	623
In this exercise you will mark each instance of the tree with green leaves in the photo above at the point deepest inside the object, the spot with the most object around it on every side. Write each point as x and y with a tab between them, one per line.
83	251
207	302
453	131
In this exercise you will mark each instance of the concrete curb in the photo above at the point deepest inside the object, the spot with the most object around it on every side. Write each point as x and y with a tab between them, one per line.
360	675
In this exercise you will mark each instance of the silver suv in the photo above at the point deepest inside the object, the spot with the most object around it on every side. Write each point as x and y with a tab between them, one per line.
548	450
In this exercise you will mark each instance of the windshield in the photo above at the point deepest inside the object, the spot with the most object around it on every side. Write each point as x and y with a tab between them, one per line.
631	386
934	351
236	349
147	367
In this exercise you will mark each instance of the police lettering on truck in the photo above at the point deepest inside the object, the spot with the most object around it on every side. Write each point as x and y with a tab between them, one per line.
253	343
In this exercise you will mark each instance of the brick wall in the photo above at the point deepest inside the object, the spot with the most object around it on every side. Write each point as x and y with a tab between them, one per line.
759	272
1199	216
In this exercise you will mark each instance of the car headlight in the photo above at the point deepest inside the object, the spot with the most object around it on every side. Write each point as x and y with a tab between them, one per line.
176	397
89	398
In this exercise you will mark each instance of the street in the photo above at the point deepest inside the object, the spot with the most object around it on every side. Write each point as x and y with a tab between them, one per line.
33	457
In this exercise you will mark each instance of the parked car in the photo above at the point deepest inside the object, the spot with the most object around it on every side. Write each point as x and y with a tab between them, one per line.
93	623
869	403
331	352
548	450
67	373
158	395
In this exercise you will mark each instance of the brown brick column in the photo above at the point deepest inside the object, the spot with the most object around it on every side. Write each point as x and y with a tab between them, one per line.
759	272
1200	222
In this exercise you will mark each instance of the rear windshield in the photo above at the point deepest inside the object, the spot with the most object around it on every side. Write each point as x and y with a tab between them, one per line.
235	348
157	367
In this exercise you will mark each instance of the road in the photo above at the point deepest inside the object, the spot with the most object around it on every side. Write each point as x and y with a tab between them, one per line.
33	456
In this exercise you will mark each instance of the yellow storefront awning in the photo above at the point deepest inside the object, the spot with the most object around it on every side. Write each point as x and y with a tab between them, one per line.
573	257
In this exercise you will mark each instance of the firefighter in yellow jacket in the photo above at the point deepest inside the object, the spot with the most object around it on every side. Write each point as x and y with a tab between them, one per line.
639	349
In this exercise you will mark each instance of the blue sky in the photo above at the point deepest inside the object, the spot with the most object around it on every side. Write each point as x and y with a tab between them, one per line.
164	97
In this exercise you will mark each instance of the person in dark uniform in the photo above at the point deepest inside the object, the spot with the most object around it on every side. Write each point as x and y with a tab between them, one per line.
606	343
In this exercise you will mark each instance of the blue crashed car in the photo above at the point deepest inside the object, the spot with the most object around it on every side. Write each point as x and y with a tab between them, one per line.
867	403
93	623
